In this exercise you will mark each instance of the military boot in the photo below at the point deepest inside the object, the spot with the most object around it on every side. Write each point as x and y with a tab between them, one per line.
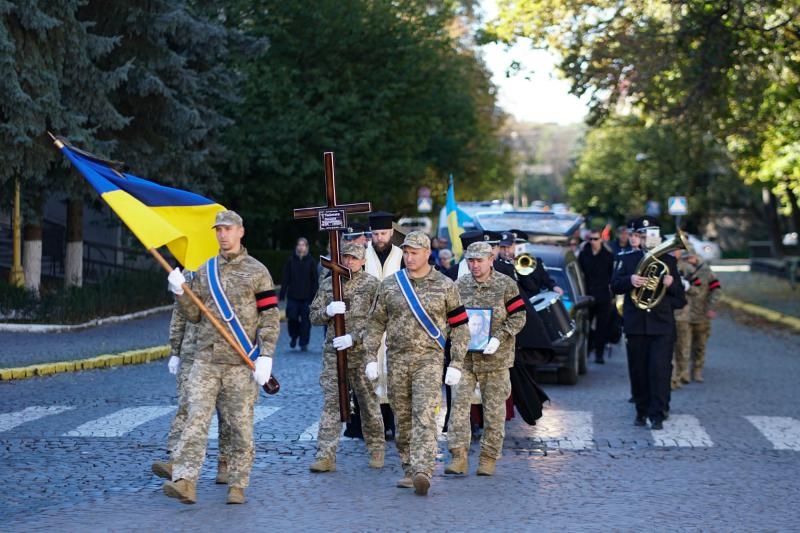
222	473
422	482
235	495
183	489
405	482
697	375
460	462
376	459
162	470
486	465
323	465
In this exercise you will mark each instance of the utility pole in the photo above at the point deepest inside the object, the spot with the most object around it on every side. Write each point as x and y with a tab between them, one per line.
16	276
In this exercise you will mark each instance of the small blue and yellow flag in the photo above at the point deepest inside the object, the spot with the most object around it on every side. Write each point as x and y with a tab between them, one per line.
158	215
456	218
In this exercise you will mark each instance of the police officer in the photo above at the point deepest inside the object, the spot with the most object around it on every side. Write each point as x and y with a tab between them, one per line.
415	353
649	334
218	372
485	289
358	294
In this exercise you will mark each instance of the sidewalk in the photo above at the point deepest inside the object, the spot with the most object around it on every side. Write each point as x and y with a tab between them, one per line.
28	351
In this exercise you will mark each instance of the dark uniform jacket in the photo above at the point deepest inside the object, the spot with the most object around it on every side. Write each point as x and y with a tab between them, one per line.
659	320
597	270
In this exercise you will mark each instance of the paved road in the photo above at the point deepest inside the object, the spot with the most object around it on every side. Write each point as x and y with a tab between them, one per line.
75	451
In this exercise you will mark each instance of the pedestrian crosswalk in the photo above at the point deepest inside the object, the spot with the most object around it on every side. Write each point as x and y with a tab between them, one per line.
561	429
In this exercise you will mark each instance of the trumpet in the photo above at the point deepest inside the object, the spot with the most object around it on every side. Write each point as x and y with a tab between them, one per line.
525	264
651	267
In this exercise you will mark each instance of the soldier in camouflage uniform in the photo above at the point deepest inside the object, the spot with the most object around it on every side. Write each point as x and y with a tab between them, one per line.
358	294
415	358
703	295
683	338
484	288
182	340
218	375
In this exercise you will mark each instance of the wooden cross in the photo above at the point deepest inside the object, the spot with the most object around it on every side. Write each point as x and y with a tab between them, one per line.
333	219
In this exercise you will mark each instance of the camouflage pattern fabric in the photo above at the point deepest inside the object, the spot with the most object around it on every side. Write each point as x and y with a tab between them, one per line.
233	390
703	294
682	351
358	295
415	360
499	293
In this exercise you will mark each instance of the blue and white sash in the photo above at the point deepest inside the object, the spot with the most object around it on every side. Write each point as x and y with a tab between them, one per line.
417	309
227	312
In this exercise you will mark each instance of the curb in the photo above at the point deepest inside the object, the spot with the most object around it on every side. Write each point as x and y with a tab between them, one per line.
768	314
131	357
58	328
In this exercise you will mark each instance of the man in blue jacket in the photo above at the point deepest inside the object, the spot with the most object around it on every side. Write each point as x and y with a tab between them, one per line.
649	333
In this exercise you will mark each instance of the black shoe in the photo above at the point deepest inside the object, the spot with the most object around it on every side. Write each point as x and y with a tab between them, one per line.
293	343
656	425
304	348
640	421
666	414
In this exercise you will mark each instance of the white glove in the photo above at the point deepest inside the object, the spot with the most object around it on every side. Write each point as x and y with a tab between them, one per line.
452	377
491	346
263	369
335	308
173	364
344	342
176	279
371	371
686	284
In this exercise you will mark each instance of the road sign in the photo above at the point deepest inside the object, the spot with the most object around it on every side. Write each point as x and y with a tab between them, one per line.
652	208
677	205
424	205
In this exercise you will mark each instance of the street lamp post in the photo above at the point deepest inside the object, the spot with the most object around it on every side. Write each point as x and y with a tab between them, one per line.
16	276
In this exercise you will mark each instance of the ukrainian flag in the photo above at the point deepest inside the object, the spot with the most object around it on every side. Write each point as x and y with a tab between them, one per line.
158	215
455	220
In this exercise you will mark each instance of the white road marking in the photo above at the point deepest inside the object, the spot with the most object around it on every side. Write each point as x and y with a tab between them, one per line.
310	433
261	412
119	422
682	431
29	414
782	431
567	430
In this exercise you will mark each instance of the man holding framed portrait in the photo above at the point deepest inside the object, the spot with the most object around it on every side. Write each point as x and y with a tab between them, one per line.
496	313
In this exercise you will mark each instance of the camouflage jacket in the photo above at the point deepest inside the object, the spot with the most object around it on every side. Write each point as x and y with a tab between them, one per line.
683	314
704	292
406	340
182	333
250	291
501	294
358	295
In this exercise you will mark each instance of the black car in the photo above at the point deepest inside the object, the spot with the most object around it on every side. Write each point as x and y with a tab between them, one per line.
548	234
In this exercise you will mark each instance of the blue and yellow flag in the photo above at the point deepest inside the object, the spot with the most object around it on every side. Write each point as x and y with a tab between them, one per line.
158	215
455	220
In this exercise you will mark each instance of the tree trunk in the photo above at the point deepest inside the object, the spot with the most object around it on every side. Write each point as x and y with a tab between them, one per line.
771	216
795	209
32	256
73	263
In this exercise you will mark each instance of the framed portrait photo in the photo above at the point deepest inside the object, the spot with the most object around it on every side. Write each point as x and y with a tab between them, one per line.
480	328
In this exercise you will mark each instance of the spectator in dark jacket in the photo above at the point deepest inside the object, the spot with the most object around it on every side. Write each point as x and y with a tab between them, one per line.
297	290
597	264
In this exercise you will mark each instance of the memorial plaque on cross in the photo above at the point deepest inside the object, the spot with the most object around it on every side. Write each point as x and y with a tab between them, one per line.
333	219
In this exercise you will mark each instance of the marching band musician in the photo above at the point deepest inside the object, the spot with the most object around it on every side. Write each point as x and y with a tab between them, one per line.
534	282
649	333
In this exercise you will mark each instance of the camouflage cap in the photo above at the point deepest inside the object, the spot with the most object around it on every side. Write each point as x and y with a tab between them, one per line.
354	249
417	239
478	250
228	218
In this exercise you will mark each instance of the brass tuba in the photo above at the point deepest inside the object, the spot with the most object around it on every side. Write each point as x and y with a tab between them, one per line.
651	267
525	264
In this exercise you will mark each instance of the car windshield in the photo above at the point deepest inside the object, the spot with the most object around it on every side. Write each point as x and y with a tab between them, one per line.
560	277
531	222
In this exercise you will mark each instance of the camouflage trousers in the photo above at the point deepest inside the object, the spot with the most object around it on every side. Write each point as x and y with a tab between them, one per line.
495	390
682	351
232	389
330	423
179	422
415	393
